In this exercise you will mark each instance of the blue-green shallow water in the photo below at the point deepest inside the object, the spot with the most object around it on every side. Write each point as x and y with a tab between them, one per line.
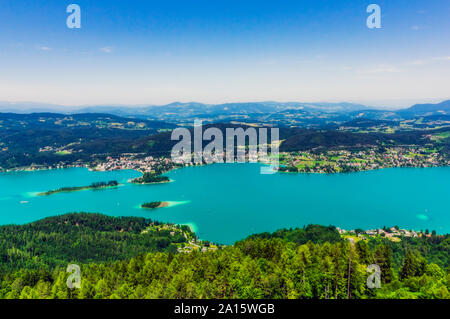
227	202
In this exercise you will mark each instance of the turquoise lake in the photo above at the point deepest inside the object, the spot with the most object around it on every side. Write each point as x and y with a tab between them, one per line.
227	202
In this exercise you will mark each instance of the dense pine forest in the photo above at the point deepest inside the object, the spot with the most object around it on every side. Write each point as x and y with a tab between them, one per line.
82	238
123	258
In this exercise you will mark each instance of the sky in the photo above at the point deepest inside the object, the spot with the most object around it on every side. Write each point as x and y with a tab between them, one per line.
157	52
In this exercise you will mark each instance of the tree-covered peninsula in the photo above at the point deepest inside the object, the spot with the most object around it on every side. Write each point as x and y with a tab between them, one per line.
96	185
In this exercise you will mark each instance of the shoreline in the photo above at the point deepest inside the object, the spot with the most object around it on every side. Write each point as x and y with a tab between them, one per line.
194	228
361	170
165	182
163	204
30	170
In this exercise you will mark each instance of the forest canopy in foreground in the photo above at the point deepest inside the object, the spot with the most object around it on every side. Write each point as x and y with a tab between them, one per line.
309	262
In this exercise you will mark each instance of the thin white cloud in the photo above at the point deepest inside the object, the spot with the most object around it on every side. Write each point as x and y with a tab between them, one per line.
442	58
416	27
416	62
44	48
106	49
427	61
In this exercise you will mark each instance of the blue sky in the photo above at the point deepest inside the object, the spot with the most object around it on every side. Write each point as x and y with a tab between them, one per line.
156	52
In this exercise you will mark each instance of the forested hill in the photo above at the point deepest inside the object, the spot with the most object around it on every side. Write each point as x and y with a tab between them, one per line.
435	249
50	121
83	238
50	138
309	262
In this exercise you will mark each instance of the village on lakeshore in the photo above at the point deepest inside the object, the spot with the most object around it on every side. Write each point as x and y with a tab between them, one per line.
192	242
310	161
394	234
336	161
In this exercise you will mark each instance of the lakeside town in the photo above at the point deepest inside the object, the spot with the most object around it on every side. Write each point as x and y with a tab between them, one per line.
128	161
311	161
345	161
136	162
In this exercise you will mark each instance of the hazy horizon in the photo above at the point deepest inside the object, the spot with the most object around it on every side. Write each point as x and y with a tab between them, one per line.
30	106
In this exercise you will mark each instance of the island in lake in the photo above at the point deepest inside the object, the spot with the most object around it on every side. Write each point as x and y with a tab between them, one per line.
151	178
156	204
96	185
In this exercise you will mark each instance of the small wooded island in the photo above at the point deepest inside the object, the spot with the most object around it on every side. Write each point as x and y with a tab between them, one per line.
157	204
96	185
151	178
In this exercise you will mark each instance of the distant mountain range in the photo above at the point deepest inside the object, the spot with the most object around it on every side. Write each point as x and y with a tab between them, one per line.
190	109
249	107
270	112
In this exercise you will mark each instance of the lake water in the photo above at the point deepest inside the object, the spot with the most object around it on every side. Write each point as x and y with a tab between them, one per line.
227	202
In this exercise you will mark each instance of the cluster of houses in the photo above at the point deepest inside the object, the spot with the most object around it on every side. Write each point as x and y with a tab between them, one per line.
369	159
193	246
133	161
386	232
